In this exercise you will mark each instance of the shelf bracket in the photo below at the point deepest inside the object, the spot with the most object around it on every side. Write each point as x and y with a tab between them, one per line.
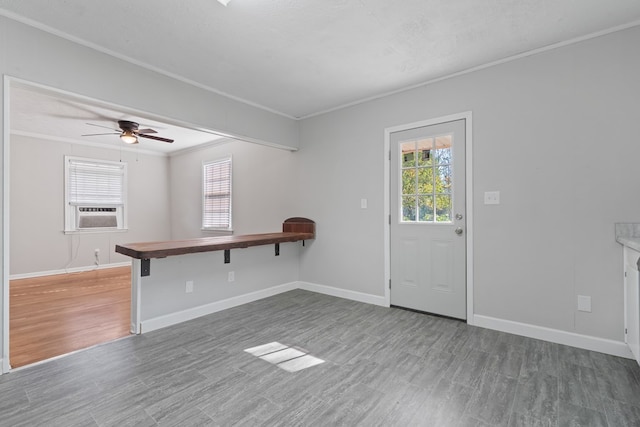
277	249
145	267
227	256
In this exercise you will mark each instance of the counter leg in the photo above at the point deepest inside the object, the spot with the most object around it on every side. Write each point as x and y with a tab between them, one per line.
136	282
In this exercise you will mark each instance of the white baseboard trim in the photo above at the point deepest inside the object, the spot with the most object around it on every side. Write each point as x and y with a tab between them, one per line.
192	313
586	342
343	293
68	270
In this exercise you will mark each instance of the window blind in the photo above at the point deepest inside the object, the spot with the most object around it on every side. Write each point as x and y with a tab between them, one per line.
93	183
216	212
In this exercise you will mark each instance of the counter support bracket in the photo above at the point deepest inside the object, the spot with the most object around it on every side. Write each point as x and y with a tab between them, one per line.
227	256
277	249
145	267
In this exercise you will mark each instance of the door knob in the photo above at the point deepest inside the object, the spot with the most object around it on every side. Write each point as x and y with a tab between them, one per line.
459	230
459	216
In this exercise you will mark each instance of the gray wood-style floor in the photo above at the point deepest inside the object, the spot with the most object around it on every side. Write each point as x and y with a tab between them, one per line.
383	367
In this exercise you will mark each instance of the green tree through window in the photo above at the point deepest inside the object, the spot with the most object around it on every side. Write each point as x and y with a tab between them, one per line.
426	179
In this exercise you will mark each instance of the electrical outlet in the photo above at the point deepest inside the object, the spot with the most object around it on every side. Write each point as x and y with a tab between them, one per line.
232	276
189	287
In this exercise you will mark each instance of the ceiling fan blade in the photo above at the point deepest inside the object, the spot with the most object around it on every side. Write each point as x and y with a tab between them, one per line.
157	138
146	131
96	134
106	127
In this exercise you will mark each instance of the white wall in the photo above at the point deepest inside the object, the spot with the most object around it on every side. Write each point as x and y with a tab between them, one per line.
38	243
264	188
555	133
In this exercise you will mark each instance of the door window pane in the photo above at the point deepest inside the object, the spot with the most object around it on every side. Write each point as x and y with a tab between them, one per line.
427	179
443	208
409	208
408	154
425	206
409	181
443	179
425	151
442	152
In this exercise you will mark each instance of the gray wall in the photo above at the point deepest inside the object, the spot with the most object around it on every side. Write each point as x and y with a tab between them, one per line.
38	243
264	187
256	269
555	133
164	194
35	56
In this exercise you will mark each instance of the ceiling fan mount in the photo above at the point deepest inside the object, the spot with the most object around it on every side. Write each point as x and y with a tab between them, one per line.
127	125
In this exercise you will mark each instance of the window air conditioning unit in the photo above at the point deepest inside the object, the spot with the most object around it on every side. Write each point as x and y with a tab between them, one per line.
91	217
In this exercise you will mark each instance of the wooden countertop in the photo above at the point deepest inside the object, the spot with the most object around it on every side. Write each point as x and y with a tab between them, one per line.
150	250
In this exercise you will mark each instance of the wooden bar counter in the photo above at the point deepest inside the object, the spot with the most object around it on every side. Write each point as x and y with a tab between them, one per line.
293	230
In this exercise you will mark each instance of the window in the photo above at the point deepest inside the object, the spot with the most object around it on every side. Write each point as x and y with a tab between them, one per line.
426	179
95	195
216	194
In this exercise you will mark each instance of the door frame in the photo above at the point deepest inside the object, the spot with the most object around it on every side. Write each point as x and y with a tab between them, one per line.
6	367
467	116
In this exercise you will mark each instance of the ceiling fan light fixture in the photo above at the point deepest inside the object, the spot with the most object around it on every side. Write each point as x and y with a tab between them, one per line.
224	2
129	137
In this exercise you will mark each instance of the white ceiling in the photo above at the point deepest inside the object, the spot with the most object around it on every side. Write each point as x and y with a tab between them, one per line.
303	57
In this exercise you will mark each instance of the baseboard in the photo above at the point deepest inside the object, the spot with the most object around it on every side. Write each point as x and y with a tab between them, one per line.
192	313
343	293
586	342
615	348
68	270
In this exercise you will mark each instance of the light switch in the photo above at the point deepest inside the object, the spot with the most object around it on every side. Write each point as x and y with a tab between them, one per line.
491	197
363	203
584	303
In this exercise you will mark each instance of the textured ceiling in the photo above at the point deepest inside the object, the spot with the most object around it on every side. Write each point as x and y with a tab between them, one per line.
302	57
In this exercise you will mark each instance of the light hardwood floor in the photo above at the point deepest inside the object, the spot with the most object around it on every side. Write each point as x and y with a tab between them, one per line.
55	315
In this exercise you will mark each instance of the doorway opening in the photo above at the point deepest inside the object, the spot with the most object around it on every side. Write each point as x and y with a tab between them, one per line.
42	125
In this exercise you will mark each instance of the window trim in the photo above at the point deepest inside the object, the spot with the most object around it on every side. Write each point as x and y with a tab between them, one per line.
225	159
71	208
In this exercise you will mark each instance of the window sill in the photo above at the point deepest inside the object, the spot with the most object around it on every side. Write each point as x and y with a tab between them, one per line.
217	230
103	230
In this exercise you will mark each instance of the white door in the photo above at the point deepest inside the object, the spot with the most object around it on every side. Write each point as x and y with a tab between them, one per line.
427	224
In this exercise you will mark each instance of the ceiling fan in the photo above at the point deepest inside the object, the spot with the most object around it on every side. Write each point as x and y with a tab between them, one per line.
130	133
